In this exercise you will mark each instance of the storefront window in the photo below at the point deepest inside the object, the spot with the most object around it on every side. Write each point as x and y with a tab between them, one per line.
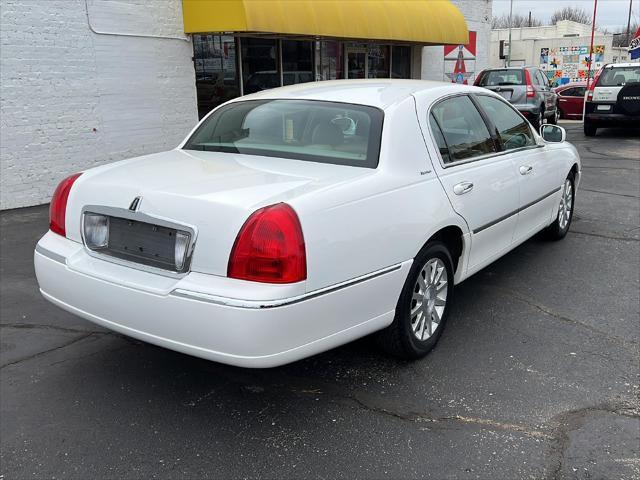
215	67
331	61
297	62
259	64
378	61
401	62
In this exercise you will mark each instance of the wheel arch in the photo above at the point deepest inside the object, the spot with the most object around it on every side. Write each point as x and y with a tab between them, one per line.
453	238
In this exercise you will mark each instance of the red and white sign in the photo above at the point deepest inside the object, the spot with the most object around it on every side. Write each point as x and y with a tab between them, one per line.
460	61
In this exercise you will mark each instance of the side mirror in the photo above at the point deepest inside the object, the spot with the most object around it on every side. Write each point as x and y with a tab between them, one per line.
553	133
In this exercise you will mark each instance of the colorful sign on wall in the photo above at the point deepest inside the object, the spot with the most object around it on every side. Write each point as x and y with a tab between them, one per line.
460	61
570	64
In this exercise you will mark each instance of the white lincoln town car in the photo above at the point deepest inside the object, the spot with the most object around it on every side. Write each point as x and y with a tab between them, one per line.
297	219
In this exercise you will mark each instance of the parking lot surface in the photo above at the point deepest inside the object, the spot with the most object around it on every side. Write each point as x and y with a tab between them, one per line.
536	375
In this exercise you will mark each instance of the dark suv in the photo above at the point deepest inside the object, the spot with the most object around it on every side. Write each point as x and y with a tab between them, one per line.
613	98
527	88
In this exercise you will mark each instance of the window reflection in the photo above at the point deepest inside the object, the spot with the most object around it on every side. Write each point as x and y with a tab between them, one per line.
297	62
259	64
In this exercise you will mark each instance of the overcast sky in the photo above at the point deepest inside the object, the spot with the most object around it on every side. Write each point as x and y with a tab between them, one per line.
612	14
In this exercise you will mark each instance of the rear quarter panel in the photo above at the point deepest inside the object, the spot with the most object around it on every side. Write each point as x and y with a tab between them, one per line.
378	220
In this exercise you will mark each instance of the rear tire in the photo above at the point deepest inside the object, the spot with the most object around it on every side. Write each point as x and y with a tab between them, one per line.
559	228
590	129
423	306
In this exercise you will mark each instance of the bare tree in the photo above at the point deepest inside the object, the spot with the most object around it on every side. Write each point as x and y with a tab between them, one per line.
517	21
621	39
575	14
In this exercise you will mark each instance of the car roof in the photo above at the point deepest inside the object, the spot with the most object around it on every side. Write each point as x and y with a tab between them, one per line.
381	93
615	65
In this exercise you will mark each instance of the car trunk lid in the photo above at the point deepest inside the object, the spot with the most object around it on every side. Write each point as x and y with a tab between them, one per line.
212	193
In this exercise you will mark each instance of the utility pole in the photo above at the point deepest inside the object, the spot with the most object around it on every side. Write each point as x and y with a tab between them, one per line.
593	32
510	21
628	37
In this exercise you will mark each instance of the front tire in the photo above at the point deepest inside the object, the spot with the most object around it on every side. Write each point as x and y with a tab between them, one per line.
423	306
559	228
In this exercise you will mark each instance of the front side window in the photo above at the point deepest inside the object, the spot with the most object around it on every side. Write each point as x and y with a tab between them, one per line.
463	128
317	131
513	130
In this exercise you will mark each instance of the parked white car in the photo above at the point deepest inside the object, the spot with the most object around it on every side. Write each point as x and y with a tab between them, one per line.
297	219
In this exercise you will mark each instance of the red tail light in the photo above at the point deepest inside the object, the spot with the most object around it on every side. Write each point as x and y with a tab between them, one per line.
592	85
270	247
530	90
58	206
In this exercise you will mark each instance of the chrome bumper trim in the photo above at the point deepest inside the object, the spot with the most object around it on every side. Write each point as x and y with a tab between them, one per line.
261	304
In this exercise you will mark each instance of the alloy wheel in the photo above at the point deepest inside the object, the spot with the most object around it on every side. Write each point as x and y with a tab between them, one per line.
429	299
566	204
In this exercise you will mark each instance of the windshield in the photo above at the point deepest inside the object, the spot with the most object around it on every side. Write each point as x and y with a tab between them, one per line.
495	78
619	76
316	131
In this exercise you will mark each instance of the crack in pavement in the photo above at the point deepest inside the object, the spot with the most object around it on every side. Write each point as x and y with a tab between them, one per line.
548	311
421	418
28	326
610	168
609	237
44	352
572	420
582	189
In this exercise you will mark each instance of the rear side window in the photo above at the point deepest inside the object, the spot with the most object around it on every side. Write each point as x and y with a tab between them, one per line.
513	130
495	78
464	131
619	76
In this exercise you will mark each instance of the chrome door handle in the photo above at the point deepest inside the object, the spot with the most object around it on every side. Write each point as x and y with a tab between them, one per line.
462	188
526	169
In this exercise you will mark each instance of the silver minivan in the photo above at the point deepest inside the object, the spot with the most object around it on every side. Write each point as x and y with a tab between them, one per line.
527	88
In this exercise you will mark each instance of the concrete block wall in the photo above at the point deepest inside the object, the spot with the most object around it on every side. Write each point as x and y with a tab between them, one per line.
477	13
71	98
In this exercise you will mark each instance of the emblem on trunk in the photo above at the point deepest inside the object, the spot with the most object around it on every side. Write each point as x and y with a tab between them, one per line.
135	205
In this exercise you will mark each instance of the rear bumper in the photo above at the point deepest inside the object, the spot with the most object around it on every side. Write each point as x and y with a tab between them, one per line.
528	110
228	329
613	118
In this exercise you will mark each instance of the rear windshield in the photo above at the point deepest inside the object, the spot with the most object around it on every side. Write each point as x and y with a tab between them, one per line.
619	76
316	131
494	78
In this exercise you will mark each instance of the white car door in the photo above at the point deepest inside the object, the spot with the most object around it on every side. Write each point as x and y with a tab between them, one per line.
537	172
481	184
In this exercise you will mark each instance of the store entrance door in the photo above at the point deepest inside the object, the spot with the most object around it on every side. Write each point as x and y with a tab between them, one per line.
355	62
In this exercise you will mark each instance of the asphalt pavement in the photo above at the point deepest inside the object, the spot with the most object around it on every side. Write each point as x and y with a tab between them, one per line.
536	376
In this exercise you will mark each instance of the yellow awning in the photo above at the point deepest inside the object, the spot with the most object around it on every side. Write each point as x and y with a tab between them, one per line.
416	21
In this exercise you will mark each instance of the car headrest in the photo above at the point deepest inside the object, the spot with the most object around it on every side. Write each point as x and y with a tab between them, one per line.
326	133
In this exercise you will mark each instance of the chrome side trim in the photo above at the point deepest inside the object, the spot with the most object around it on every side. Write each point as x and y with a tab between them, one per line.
510	214
56	257
261	304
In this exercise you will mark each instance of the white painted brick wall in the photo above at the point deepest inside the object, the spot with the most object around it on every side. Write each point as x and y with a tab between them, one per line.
477	13
59	82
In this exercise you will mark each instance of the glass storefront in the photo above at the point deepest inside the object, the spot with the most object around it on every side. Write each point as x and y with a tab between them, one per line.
262	63
297	62
259	64
216	70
